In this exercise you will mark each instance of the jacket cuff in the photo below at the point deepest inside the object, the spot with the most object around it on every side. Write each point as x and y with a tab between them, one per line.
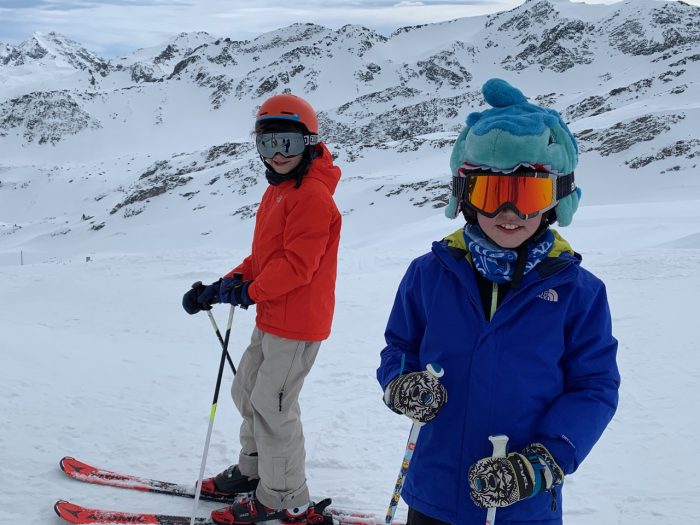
246	299
563	452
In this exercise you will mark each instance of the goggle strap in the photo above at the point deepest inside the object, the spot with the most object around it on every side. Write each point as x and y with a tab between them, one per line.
565	186
459	187
311	140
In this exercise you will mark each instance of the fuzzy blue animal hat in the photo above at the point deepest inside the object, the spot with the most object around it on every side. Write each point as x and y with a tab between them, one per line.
512	134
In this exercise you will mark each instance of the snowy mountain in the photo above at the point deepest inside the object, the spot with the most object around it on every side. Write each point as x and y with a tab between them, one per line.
148	130
54	49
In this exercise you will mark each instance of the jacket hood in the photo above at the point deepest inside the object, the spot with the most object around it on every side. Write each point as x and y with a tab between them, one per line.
323	169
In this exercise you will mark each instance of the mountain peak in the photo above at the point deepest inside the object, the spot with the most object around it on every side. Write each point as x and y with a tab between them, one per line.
51	43
53	48
526	15
297	32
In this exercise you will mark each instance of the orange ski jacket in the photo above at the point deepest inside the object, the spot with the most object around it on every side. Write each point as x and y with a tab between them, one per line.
294	256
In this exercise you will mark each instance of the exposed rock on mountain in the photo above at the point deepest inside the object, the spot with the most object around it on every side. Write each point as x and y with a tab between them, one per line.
597	104
670	25
158	179
689	149
45	117
563	47
444	68
624	135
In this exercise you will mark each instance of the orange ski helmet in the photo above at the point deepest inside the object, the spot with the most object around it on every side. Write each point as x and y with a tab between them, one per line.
289	107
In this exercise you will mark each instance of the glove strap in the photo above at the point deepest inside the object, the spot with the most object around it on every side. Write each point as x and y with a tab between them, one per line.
540	474
547	473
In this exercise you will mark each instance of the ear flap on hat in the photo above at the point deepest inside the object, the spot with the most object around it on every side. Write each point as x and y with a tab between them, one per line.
452	209
458	151
567	207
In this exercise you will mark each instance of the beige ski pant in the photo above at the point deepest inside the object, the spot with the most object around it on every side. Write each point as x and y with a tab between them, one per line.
266	392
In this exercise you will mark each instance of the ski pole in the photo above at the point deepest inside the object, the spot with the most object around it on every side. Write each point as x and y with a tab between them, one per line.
212	413
499	443
437	371
218	334
216	328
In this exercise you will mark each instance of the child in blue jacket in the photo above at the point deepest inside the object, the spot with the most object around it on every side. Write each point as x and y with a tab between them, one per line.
521	330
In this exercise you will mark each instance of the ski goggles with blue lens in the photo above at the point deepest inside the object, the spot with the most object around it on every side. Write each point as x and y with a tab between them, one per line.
528	193
287	144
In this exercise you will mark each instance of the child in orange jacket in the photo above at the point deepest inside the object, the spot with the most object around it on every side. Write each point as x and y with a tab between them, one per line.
290	277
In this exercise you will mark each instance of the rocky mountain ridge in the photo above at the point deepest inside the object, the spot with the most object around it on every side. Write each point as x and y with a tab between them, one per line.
625	76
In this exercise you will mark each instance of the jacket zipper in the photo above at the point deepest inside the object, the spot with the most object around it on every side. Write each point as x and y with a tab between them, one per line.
494	299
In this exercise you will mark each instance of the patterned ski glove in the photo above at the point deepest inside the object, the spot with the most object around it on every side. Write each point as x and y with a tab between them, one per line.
499	482
418	395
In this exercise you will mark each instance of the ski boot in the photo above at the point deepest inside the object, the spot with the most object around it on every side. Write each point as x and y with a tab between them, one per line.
247	509
229	483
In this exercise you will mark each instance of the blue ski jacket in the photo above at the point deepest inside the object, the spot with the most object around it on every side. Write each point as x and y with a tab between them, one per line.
543	370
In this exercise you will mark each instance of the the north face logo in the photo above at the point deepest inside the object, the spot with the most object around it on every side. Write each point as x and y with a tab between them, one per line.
549	295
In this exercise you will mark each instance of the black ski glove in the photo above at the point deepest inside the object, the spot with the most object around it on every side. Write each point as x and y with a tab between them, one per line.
418	395
200	297
235	291
499	482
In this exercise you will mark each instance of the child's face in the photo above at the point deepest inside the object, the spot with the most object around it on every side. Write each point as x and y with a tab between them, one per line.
283	165
507	229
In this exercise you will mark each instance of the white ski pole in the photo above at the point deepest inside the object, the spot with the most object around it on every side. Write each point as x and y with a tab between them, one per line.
499	443
438	372
212	413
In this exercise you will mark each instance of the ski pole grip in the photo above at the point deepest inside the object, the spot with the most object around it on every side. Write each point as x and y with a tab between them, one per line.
436	370
499	442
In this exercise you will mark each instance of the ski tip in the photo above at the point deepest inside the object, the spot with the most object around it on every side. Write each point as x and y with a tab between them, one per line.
61	506
63	461
73	467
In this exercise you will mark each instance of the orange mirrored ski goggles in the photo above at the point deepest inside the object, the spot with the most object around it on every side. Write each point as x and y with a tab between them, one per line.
527	192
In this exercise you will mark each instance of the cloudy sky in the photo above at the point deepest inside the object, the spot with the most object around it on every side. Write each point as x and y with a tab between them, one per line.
115	27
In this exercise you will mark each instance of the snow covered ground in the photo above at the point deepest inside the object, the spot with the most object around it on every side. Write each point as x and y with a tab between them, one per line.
99	361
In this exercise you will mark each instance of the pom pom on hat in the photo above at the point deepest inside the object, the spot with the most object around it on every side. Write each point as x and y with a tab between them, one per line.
499	94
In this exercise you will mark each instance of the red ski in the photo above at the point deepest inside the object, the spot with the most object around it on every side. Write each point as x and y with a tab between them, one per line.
85	516
86	473
79	515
